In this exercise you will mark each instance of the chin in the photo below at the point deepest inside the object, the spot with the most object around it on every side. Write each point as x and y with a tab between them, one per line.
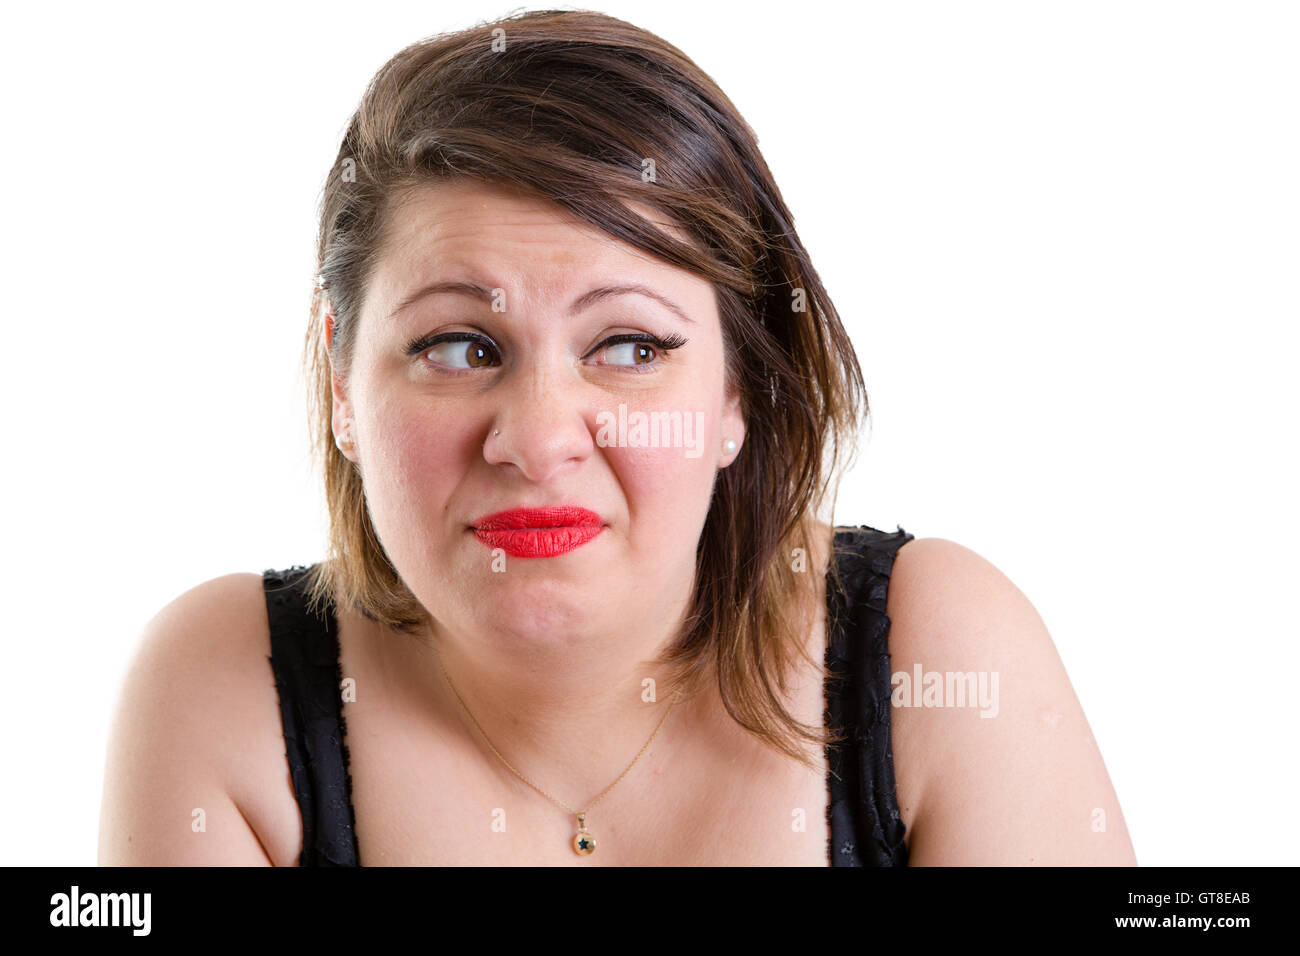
538	628
537	608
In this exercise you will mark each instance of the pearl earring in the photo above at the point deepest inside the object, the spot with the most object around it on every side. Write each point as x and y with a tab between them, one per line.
729	445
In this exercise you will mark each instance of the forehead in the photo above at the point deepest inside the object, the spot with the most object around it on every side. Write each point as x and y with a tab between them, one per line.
501	237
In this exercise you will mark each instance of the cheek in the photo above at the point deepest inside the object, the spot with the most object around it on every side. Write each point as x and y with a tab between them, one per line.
667	490
414	461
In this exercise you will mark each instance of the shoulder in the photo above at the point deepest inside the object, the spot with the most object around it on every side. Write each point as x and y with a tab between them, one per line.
959	592
993	754
195	748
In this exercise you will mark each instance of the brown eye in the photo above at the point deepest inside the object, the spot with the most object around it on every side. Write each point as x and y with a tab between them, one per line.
633	353
462	354
637	350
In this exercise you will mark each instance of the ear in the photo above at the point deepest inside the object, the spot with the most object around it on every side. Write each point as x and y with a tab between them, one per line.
732	426
341	415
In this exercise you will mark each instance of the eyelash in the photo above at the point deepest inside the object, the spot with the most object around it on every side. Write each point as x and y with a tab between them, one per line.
664	344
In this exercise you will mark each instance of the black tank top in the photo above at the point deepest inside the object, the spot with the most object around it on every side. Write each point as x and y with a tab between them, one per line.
866	828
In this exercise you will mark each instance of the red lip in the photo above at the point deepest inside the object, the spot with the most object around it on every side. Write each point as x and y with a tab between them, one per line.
538	532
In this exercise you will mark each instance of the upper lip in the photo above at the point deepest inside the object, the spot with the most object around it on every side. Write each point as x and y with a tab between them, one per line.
548	516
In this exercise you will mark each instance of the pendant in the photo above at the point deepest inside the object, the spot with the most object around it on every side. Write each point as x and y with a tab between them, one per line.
584	844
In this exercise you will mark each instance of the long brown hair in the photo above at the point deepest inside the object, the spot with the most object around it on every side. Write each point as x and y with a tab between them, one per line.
593	113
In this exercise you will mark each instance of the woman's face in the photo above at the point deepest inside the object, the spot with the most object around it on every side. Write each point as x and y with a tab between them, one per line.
517	278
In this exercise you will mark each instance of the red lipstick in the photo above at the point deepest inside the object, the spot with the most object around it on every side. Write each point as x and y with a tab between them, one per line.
538	532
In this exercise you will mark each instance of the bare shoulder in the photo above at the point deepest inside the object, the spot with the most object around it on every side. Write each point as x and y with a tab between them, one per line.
994	759
195	771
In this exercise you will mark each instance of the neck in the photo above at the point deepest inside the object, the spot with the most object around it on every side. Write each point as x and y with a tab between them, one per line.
570	716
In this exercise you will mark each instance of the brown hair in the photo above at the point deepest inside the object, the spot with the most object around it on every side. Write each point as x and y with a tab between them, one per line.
568	105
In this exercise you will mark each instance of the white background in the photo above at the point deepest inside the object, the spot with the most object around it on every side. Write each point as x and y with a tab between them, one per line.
1063	236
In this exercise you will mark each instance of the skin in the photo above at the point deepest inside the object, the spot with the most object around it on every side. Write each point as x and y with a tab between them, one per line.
544	654
550	654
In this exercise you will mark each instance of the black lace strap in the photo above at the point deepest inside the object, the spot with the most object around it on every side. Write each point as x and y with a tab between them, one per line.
865	823
308	673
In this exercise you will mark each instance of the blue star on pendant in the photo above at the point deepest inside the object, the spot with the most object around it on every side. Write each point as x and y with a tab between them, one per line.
583	843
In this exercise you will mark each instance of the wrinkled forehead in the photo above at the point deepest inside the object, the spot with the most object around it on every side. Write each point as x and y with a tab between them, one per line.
495	236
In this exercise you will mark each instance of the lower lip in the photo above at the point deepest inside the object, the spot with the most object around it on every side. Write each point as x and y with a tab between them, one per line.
539	542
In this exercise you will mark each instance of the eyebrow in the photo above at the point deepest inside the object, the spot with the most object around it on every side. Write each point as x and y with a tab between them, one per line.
588	298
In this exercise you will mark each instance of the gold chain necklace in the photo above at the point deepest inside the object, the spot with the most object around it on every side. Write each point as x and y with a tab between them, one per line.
584	844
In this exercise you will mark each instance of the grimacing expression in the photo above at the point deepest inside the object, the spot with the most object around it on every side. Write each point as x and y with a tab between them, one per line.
514	279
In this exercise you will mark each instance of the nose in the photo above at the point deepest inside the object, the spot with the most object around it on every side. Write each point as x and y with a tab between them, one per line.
540	424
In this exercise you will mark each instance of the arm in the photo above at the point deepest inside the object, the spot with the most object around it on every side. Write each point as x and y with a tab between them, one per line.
1026	786
175	741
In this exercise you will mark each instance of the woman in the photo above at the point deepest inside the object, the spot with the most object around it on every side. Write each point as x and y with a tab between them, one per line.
573	380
